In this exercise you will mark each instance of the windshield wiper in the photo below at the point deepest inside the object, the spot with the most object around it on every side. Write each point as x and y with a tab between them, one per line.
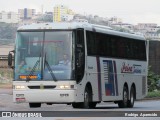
34	67
50	70
32	71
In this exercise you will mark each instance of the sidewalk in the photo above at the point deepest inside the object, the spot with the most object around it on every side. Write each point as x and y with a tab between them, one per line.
6	91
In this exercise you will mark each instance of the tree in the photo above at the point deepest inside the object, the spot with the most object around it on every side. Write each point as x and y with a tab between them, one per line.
152	80
8	32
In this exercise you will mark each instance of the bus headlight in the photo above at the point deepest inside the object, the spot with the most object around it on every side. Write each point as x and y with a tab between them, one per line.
19	87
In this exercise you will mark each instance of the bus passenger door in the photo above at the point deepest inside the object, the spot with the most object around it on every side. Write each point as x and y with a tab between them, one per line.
79	63
80	55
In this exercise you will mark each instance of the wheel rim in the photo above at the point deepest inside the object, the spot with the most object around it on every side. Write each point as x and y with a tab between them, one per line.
132	97
86	99
125	97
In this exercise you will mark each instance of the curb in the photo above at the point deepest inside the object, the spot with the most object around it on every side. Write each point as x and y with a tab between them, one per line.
152	98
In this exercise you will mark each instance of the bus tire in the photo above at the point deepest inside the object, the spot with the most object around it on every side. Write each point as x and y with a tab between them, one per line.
92	104
123	103
88	99
76	105
34	105
132	98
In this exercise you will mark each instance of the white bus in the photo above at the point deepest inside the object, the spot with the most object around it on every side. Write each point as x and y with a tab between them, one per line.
102	65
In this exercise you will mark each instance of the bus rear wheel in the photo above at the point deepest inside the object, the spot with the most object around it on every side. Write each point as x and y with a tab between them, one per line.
124	102
132	98
34	105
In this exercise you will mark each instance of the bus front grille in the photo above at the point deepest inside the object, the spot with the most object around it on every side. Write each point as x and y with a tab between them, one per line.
42	87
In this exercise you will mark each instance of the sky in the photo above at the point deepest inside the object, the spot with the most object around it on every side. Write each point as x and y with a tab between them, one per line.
131	11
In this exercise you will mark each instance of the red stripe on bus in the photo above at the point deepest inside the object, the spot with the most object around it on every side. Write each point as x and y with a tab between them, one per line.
115	74
99	78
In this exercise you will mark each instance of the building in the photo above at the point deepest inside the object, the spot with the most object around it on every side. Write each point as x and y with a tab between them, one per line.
146	25
26	13
149	30
115	20
123	25
62	13
9	17
80	20
152	35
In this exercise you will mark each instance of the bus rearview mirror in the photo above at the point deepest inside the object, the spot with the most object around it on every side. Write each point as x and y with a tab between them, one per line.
10	60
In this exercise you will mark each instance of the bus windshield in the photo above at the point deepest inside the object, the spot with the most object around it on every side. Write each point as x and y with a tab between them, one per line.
44	55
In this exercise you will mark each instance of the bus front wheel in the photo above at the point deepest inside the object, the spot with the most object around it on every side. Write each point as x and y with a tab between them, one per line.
87	98
123	103
34	105
88	103
77	105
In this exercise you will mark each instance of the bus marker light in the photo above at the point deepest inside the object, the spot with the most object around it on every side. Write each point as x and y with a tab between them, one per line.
24	77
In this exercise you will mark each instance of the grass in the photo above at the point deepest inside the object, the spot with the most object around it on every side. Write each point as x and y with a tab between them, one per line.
153	94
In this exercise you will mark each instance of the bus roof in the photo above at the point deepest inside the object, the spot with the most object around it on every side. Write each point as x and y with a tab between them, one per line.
75	25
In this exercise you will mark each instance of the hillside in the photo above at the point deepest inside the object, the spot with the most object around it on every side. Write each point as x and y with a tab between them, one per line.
7	33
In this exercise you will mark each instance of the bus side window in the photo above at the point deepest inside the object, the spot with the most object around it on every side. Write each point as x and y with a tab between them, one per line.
120	48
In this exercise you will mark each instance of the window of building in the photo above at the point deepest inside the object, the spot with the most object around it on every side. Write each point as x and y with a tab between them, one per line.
0	15
9	15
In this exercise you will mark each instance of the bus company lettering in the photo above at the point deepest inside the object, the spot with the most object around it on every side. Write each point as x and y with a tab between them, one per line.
126	68
131	69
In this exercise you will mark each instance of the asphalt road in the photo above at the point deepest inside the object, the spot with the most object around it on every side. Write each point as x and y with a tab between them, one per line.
146	107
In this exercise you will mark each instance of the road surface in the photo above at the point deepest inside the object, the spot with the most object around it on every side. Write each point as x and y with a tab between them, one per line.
151	107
